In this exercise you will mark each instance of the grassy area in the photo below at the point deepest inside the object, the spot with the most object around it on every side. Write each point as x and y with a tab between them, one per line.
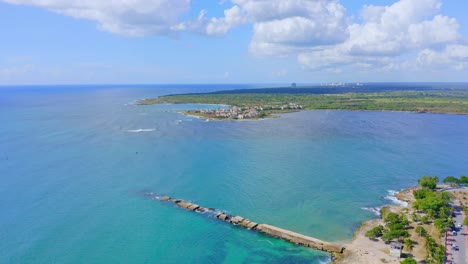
443	101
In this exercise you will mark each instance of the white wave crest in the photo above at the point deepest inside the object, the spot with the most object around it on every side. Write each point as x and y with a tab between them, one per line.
141	130
374	210
325	261
391	197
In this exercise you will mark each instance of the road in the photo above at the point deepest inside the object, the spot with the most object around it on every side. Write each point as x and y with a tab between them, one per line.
457	255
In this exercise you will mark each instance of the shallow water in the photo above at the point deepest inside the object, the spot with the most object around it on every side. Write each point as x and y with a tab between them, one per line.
74	160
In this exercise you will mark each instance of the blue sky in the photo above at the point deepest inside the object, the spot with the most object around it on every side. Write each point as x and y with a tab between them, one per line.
232	41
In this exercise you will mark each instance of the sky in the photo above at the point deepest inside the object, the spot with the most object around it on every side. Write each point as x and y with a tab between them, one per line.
232	41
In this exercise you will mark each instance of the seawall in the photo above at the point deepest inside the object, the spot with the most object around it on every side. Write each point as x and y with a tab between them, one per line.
270	230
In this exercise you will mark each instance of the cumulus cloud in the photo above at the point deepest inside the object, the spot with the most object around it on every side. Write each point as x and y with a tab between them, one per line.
319	33
232	18
405	25
454	56
386	34
284	26
126	17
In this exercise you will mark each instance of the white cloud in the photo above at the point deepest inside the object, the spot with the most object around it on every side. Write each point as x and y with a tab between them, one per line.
232	18
405	34
441	29
285	26
126	17
399	28
453	56
386	35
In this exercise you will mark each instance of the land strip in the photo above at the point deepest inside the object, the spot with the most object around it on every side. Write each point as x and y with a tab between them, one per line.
431	101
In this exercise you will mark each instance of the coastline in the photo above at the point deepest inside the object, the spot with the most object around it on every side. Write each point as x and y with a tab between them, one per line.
436	101
364	250
277	114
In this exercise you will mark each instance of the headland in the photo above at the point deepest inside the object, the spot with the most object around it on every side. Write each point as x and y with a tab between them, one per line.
261	103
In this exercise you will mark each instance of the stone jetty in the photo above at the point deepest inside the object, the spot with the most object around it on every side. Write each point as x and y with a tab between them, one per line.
270	230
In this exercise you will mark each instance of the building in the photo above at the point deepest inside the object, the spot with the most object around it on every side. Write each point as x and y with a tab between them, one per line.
395	249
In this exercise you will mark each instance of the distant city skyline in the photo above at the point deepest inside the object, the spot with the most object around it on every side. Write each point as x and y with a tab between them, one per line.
232	41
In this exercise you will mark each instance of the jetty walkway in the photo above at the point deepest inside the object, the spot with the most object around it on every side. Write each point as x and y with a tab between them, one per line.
270	230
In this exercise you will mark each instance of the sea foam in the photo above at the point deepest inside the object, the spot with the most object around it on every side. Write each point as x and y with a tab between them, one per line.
375	210
391	197
141	130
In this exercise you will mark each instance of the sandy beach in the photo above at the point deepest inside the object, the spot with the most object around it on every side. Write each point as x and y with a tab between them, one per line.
364	250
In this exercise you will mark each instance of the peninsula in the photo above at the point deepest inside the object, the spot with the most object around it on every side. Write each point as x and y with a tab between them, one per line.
260	103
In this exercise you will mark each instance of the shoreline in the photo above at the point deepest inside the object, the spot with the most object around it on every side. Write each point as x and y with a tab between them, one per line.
278	114
363	250
441	101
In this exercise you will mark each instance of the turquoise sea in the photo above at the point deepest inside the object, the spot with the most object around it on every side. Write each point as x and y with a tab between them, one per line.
74	161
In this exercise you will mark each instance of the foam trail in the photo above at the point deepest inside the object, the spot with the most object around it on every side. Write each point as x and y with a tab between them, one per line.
263	240
141	130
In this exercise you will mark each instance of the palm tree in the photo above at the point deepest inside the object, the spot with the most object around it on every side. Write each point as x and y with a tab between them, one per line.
409	245
421	231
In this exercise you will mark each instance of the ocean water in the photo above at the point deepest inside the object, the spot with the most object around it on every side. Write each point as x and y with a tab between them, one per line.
74	162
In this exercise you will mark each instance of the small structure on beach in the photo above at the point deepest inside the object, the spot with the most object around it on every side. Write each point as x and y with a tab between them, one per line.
396	249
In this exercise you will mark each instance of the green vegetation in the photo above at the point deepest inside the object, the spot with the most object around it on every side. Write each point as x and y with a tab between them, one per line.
464	179
409	245
375	232
415	217
428	182
421	231
436	252
396	227
409	261
465	221
433	205
445	101
425	219
451	180
436	206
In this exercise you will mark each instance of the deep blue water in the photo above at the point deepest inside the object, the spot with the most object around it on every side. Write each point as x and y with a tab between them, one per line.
72	167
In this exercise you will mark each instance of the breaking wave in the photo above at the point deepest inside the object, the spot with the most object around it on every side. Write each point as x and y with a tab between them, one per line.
391	197
375	210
